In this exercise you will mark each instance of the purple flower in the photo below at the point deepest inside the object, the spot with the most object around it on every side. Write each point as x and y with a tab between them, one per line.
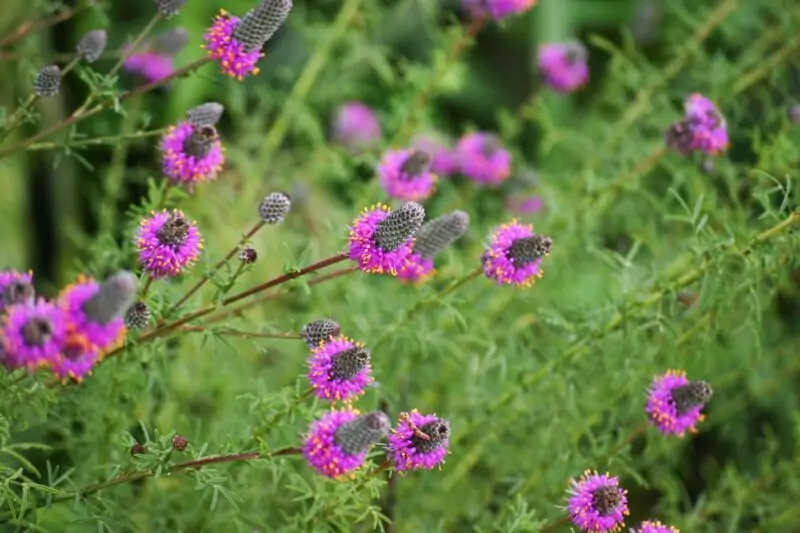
75	300
404	174
339	369
191	154
515	254
497	9
235	58
338	443
649	526
444	160
167	243
525	205
564	65
483	159
381	238
419	441
703	128
150	64
76	359
416	269
432	238
356	126
675	404
597	503
15	288
32	335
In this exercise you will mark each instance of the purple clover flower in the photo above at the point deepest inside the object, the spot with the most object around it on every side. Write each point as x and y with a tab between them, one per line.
703	128
235	58
497	9
524	205
337	444
102	336
76	359
405	174
15	288
381	239
515	254
416	269
419	441
339	369
675	404
597	503
649	526
444	160
564	66
167	243
356	127
33	335
150	64
191	154
483	159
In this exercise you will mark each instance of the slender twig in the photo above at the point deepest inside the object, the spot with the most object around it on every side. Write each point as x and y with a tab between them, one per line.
243	334
202	281
67	56
33	26
139	38
97	141
147	283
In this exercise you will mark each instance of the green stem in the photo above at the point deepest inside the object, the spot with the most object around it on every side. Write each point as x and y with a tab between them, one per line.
139	38
97	141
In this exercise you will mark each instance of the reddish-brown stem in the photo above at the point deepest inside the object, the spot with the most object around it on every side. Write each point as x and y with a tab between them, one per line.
32	26
552	525
244	334
202	281
82	114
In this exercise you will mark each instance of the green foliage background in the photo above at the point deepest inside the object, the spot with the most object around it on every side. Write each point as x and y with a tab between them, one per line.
540	384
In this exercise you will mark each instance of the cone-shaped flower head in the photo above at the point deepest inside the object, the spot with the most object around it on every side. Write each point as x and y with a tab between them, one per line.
483	159
15	288
432	238
191	154
339	369
356	127
381	239
76	359
564	66
597	503
317	331
168	243
405	174
169	8
338	443
444	159
515	254
675	404
32	335
649	526
236	43
497	9
703	128
96	311
91	46
207	114
419	441
47	81
138	316
274	207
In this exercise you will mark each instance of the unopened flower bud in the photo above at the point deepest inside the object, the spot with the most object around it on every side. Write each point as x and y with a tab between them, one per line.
91	46
248	256
318	331
399	226
179	443
138	449
275	207
48	81
138	316
115	296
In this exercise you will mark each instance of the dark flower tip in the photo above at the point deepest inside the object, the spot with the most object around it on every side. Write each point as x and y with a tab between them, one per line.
172	41
349	363
431	436
438	234
207	114
179	443
401	225
138	316
169	8
174	230
91	46
17	292
248	256
525	251
274	208
260	23
318	331
606	499
37	331
416	163
48	81
115	296
693	394
359	434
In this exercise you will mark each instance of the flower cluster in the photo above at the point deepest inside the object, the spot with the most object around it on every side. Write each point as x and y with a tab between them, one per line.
702	129
168	243
192	152
564	66
381	238
515	254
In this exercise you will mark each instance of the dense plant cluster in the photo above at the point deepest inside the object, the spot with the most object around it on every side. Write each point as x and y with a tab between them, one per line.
323	305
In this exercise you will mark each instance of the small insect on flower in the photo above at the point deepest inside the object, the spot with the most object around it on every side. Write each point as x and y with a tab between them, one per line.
47	81
675	404
76	359
444	159
191	154
515	254
168	243
381	239
356	127
703	128
338	443
207	114
16	288
236	43
432	238
419	441
32	334
497	9
649	526
317	331
564	66
597	503
483	158
405	174
339	369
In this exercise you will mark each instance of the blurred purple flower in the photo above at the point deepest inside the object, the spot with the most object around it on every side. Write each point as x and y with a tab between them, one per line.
564	66
524	205
444	159
483	158
497	9
356	127
703	128
405	174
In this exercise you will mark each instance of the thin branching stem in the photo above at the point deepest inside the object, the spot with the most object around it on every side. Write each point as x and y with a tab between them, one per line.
32	26
136	42
243	334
